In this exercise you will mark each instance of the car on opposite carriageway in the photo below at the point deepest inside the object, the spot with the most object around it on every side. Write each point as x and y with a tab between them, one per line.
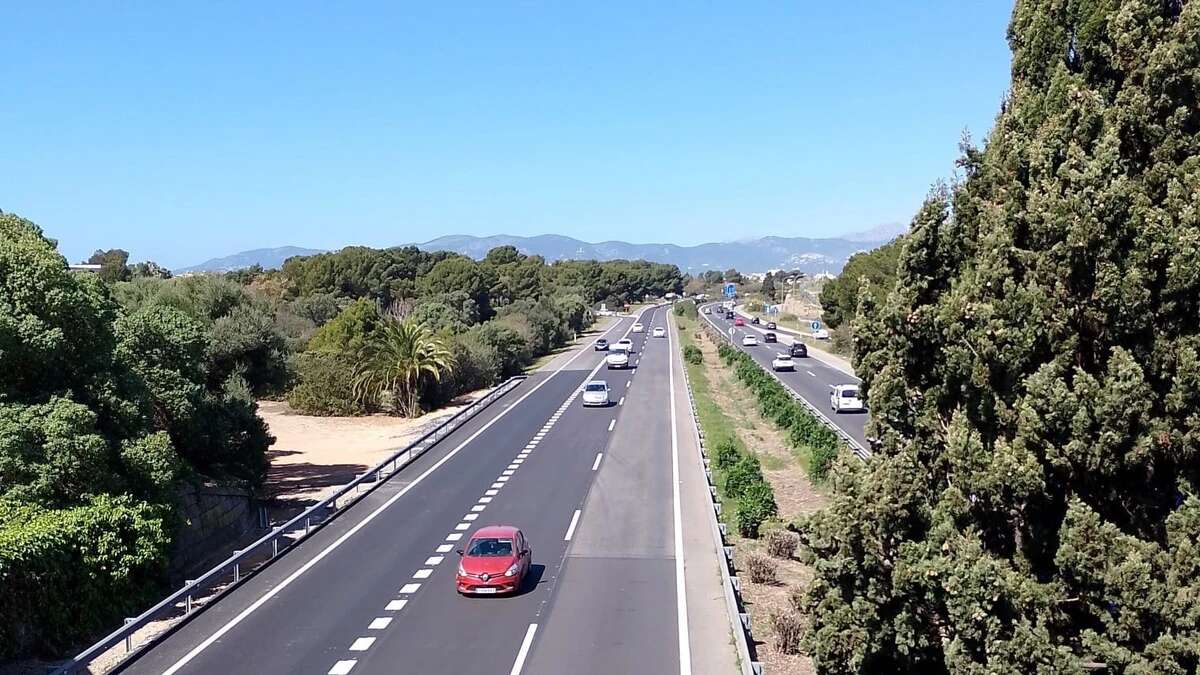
601	344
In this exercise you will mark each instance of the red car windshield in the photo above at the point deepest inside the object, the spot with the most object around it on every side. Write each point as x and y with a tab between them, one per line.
489	547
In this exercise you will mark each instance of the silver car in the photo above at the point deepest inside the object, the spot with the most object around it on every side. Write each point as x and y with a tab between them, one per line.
595	393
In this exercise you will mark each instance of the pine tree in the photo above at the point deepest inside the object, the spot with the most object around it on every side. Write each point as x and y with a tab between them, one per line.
1035	380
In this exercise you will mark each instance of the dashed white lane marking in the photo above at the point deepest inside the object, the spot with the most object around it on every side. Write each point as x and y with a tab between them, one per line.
454	536
627	383
611	425
502	479
362	644
478	507
409	589
622	401
396	605
507	472
343	667
445	548
492	492
485	500
379	623
434	560
596	464
811	373
422	573
497	485
571	528
523	653
470	517
462	526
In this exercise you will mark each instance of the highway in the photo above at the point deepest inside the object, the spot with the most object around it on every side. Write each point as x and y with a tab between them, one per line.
812	378
373	592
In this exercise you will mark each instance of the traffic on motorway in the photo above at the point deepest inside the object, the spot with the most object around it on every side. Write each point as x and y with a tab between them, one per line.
821	384
472	559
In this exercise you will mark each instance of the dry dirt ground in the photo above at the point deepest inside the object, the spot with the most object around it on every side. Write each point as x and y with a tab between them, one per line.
795	496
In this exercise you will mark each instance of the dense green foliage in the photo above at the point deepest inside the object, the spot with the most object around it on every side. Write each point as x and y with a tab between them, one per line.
692	354
98	401
401	359
1035	379
839	297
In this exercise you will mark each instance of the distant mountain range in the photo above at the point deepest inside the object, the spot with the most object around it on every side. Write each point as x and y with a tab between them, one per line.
753	255
269	258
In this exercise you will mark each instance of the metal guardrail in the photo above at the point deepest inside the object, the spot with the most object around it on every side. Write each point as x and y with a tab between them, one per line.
857	448
182	604
738	617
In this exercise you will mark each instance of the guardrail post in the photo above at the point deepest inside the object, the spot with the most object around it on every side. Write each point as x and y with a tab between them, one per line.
129	638
275	546
307	525
237	568
188	604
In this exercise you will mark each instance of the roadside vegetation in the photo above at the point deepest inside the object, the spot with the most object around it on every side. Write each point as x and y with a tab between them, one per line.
746	448
1034	376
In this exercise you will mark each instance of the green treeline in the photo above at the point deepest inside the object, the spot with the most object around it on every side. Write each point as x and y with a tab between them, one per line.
1034	377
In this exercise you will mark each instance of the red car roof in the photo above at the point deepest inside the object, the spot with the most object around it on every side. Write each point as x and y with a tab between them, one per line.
498	531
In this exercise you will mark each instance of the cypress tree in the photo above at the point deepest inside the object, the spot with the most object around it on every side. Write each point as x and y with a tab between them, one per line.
1035	380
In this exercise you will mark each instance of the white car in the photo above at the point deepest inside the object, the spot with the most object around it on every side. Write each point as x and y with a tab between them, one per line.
638	327
749	341
626	344
595	393
783	362
845	397
659	331
820	334
617	358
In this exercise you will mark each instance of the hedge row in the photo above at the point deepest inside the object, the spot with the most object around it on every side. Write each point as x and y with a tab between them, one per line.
739	478
775	403
76	571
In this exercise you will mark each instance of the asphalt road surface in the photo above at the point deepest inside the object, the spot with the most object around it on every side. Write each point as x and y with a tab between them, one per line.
373	592
812	378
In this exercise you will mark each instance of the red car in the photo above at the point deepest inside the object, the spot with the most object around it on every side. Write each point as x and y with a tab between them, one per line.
495	561
739	322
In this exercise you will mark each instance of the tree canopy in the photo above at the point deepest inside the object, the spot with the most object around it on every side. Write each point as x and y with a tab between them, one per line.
1034	377
839	297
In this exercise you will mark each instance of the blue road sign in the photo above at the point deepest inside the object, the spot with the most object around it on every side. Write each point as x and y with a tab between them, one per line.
816	325
730	290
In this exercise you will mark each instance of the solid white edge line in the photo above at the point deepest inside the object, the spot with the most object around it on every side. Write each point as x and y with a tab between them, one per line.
685	647
275	590
523	652
571	527
596	464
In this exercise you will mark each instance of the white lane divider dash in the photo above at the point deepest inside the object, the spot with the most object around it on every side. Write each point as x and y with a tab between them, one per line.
362	644
470	517
627	383
454	536
343	667
478	507
434	560
571	528
622	401
612	424
445	548
812	374
422	573
396	605
409	589
379	623
523	653
596	464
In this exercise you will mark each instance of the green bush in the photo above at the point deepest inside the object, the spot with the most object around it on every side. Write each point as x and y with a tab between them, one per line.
754	306
725	453
754	506
686	308
325	385
693	355
744	473
820	460
70	573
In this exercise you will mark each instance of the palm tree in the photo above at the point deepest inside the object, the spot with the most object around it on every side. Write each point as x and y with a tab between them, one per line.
395	361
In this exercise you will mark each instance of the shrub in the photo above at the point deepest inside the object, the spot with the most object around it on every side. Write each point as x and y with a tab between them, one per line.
325	385
820	460
797	600
744	473
789	631
69	573
686	308
725	453
693	355
756	505
761	569
754	306
781	543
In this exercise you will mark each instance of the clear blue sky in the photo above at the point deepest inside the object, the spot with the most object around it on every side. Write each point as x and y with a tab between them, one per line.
183	130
